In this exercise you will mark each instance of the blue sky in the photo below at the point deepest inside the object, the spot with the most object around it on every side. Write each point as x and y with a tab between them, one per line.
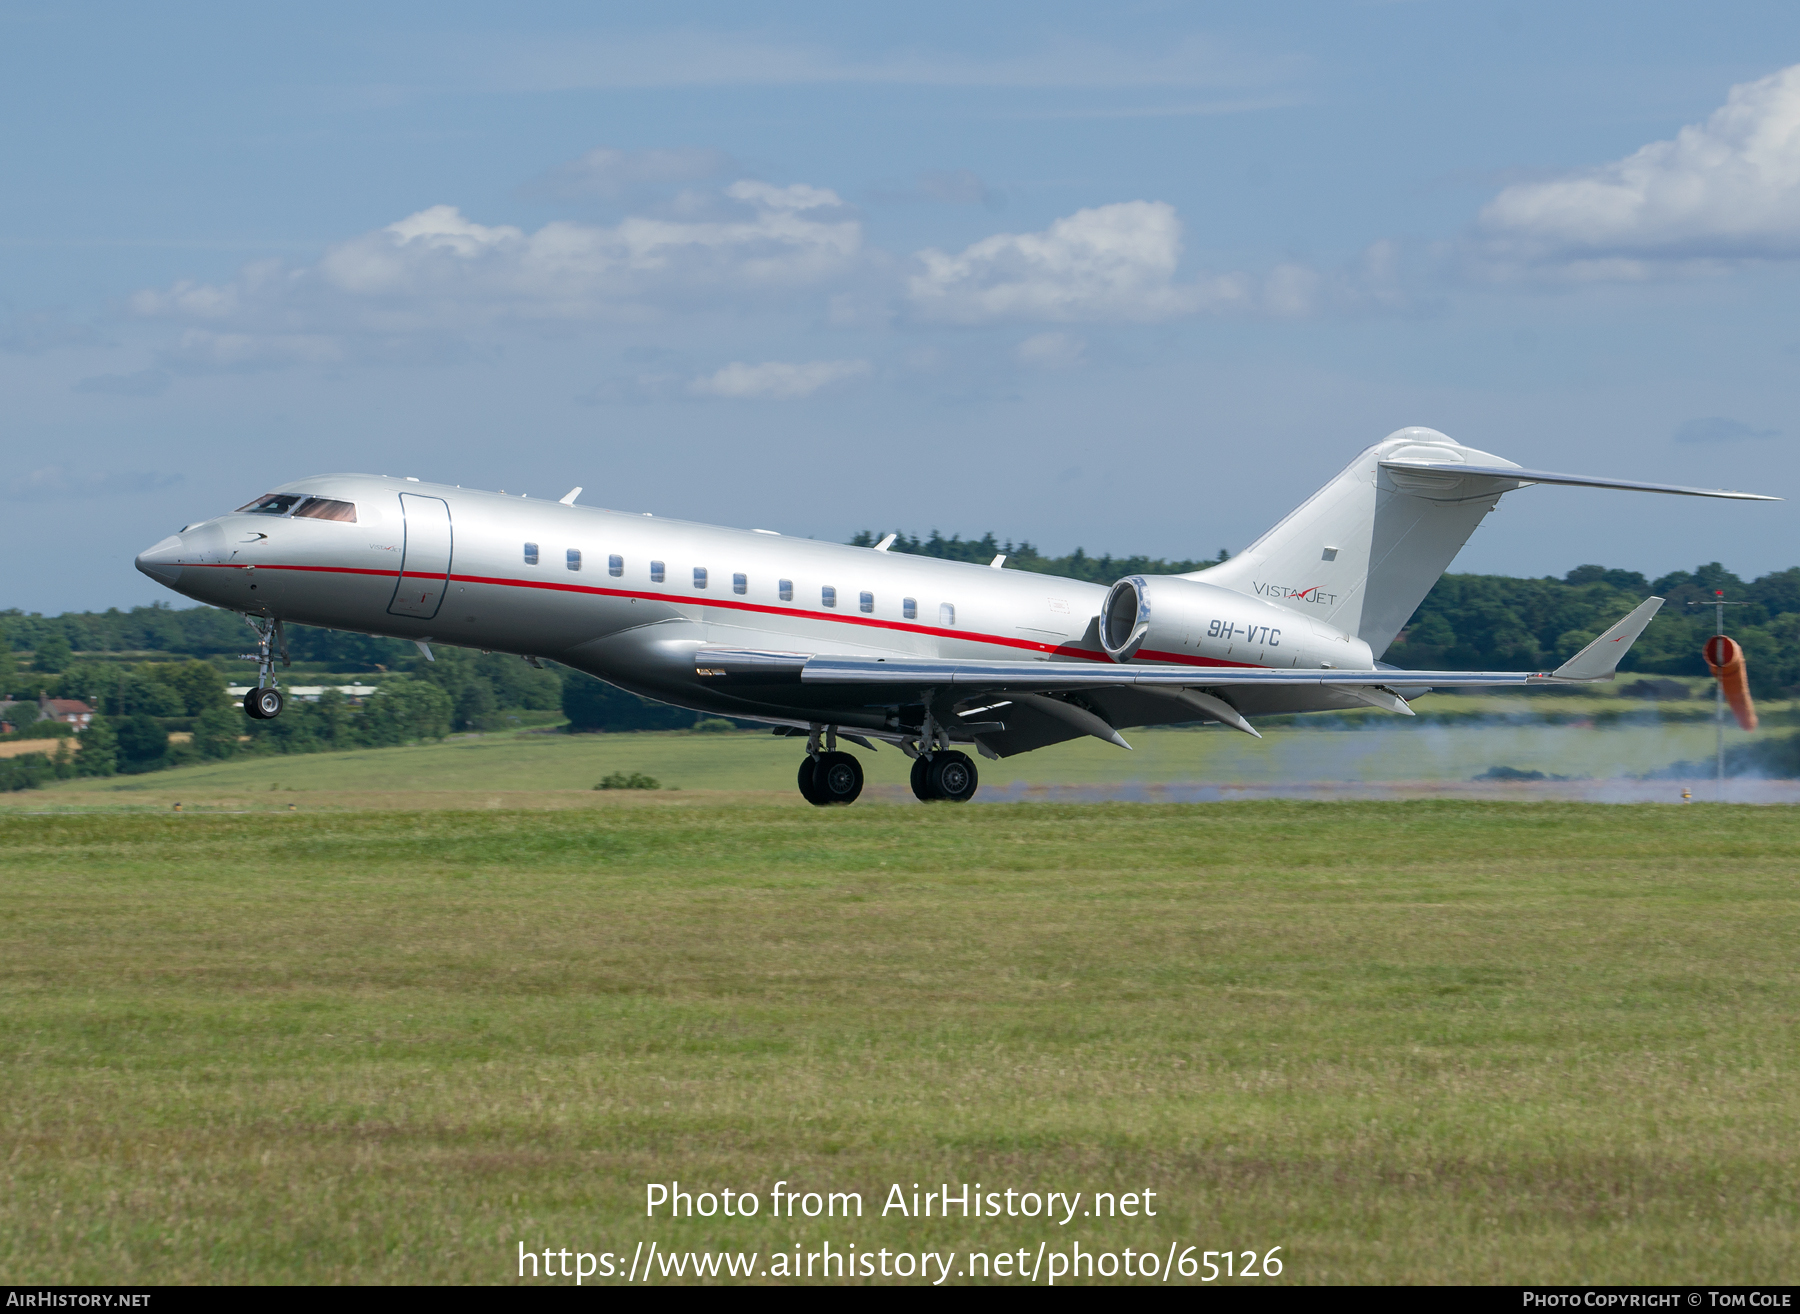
1135	278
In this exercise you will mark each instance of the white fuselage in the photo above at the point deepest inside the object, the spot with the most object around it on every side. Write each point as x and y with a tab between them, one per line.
630	598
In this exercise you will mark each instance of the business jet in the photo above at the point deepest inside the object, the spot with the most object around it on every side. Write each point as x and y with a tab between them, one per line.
858	645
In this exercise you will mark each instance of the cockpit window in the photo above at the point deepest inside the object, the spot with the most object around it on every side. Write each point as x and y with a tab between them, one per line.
270	504
324	508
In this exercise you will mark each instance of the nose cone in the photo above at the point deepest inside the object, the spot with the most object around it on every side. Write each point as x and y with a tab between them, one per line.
162	562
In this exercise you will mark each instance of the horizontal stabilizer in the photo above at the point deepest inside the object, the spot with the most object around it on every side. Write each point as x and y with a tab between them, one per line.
1600	659
1578	481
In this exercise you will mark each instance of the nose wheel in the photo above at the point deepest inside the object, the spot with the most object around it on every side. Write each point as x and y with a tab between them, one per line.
830	779
944	777
263	704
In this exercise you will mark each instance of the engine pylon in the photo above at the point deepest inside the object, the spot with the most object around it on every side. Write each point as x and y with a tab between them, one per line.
1725	659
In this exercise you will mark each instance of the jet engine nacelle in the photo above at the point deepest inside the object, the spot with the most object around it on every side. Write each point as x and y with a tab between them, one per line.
1160	618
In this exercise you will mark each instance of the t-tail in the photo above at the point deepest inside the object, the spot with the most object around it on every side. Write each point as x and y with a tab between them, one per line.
1362	552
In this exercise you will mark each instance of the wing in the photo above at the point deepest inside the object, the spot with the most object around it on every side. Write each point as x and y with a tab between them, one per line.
1017	706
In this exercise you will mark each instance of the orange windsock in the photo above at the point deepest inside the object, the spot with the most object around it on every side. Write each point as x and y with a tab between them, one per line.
1726	661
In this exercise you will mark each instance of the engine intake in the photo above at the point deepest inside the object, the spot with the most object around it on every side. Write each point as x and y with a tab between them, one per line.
1125	618
1167	618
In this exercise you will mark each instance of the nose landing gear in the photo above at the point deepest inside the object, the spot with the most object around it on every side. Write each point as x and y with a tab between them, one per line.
263	703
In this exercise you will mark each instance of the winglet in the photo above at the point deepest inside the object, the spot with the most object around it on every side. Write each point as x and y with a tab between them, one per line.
568	499
1600	659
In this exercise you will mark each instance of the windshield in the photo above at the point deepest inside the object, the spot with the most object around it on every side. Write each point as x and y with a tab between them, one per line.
270	504
324	508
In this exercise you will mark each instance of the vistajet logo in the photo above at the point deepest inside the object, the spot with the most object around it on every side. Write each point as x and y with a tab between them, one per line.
1313	595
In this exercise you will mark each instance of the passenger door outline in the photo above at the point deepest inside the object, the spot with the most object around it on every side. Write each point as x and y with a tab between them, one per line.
425	555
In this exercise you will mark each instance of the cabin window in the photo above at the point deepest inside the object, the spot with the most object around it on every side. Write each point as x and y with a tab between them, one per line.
787	590
699	577
865	601
531	554
656	572
574	558
270	504
739	583
909	607
828	596
615	565
325	508
946	614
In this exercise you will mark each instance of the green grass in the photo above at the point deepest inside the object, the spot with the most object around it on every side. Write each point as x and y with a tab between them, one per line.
508	767
1406	1042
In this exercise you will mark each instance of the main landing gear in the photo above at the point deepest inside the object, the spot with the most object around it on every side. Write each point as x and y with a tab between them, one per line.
939	773
946	776
263	703
828	777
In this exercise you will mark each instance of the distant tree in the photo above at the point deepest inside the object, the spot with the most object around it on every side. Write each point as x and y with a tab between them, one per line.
404	711
1629	580
335	719
592	704
199	685
147	694
99	755
1025	556
26	771
217	732
482	684
296	730
143	743
52	654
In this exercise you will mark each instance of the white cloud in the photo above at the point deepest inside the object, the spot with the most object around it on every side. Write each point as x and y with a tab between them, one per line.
201	349
777	380
437	272
1113	262
609	173
1725	189
438	283
1051	351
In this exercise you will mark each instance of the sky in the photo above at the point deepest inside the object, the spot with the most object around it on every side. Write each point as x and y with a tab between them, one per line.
1135	278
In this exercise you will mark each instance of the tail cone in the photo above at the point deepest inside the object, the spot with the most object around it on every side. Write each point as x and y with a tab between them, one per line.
1726	661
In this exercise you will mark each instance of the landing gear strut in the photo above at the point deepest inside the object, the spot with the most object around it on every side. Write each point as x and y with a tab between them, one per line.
947	776
263	703
827	777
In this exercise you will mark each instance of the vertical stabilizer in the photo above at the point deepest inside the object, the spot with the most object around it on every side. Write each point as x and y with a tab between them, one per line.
1362	552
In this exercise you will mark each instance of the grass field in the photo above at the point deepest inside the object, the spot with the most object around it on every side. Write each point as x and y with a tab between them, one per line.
537	769
1404	1042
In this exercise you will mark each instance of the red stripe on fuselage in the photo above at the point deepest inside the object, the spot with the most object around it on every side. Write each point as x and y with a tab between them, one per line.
758	608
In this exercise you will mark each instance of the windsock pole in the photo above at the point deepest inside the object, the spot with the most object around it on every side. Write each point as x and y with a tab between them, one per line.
1726	662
